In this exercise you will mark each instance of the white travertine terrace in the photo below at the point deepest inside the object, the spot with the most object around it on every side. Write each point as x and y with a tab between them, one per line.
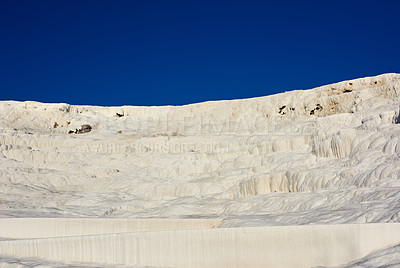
25	228
277	246
324	157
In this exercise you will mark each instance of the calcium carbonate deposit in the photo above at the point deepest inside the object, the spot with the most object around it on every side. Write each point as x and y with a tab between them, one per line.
304	178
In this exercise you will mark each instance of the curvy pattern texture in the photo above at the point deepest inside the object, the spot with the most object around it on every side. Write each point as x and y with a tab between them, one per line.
328	155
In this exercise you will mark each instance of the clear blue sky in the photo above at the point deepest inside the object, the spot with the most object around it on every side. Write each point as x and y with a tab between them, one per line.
148	52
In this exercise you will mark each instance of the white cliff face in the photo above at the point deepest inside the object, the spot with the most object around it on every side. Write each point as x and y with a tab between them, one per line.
329	155
276	246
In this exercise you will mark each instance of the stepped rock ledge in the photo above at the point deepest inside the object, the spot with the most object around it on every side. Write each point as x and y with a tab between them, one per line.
304	178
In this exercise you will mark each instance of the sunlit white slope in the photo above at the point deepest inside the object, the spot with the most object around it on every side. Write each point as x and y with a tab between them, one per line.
328	155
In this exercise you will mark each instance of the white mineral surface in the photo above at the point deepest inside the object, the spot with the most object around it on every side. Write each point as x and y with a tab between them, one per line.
304	178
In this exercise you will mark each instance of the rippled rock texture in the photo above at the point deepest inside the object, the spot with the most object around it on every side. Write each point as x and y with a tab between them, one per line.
328	155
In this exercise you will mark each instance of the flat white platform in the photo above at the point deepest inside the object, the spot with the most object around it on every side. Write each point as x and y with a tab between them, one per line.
20	228
276	246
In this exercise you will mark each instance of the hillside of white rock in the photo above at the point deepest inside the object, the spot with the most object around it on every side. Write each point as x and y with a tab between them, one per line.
327	158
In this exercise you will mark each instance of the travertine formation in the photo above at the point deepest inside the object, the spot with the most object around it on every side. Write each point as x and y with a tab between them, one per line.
279	246
329	155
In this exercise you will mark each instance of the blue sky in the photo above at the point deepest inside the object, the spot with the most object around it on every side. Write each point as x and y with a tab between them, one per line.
148	52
